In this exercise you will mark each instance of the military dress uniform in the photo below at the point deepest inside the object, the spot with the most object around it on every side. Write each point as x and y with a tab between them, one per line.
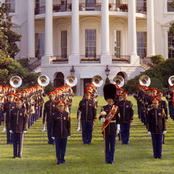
170	97
126	115
61	130
110	134
49	110
8	107
88	115
18	124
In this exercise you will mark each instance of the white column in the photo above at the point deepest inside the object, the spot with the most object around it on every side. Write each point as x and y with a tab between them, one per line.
150	29
132	32
105	55
48	32
31	29
74	57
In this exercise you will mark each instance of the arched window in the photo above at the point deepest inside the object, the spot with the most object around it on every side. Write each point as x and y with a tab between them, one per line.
59	80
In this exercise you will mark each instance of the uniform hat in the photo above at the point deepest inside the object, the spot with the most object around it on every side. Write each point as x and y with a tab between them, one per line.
19	99
1	86
109	91
155	99
154	89
10	94
87	91
125	93
51	93
61	102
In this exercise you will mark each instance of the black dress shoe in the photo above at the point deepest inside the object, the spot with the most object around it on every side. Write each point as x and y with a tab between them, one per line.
14	157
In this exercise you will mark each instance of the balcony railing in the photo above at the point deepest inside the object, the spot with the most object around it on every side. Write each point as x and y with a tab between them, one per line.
118	7
84	59
40	10
141	9
121	59
59	60
62	8
90	7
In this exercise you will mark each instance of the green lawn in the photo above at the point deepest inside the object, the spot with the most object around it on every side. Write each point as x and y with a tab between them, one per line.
136	158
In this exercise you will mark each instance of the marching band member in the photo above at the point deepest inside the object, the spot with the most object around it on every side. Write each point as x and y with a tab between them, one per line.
109	119
49	110
18	126
126	117
88	116
156	126
61	130
8	107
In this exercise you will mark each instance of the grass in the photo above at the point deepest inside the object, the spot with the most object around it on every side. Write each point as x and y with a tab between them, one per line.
136	158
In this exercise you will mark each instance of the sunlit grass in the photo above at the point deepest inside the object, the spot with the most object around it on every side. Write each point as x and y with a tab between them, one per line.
136	158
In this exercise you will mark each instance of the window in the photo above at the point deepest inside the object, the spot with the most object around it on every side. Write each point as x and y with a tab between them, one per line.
141	6
90	3
170	46
39	45
90	43
117	43
11	4
169	8
142	44
63	44
63	5
40	7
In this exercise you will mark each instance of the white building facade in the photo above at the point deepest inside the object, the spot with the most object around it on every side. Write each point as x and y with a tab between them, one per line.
88	36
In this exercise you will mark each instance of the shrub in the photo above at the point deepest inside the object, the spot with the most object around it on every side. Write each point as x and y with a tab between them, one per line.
157	59
107	81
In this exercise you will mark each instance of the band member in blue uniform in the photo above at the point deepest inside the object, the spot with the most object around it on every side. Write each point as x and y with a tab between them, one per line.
126	117
156	127
88	116
8	107
18	126
49	110
109	119
61	130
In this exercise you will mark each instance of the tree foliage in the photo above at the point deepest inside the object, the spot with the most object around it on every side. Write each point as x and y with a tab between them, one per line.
107	81
159	76
157	59
8	37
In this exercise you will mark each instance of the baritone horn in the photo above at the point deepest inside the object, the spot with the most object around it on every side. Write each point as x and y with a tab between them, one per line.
144	80
171	80
15	81
43	80
119	80
97	81
71	80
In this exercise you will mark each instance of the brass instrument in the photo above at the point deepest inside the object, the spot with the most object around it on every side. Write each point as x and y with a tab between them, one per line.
119	80
15	81
171	80
144	80
71	80
43	80
97	81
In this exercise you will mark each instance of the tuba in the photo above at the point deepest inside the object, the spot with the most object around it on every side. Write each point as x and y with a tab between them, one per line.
15	81
171	80
119	80
43	80
144	80
97	81
71	80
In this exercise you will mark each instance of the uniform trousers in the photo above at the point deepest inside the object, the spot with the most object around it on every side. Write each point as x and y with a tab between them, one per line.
60	149
9	135
125	128
50	140
157	145
0	115
110	148
171	111
17	144
87	129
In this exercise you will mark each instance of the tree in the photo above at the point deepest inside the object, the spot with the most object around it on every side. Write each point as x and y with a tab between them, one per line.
107	81
171	29
8	37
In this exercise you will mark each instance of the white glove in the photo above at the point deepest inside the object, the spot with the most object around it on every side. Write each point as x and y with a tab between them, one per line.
118	129
11	131
164	132
149	132
102	120
53	138
103	113
69	136
24	132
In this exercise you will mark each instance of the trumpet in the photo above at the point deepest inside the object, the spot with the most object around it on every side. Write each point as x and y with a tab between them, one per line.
15	81
119	80
144	80
171	80
97	81
71	80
